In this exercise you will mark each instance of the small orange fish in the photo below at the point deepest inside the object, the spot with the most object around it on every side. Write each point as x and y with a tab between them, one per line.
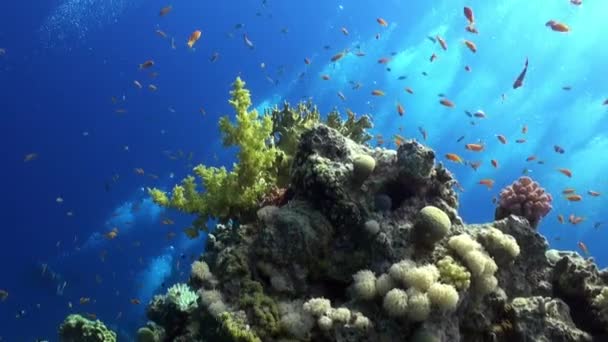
566	172
583	247
3	295
468	13
341	96
382	22
454	157
475	165
112	234
524	129
520	141
377	92
147	64
574	198
325	77
474	147
489	183
400	109
531	158
471	29
167	222
470	45
519	81
568	191
30	157
384	60
442	42
501	138
557	26
447	103
337	56
85	300
409	90
593	193
480	114
194	36
494	163
135	301
433	57
573	219
560	218
306	61
165	10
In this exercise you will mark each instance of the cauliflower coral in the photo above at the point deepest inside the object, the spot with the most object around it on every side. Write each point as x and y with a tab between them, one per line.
525	198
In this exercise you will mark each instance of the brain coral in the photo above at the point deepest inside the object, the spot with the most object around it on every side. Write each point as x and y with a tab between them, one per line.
524	198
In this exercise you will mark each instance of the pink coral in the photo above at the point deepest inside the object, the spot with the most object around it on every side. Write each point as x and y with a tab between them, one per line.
525	198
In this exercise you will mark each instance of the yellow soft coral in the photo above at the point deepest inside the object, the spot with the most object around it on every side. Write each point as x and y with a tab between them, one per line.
230	194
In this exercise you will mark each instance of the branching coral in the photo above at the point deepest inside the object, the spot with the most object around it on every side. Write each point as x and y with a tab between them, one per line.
524	198
231	194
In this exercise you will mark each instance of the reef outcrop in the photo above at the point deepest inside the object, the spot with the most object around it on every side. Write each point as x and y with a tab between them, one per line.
365	244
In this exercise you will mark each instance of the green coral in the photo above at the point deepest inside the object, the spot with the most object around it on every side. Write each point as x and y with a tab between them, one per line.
237	329
146	334
453	273
264	309
363	166
262	165
432	224
76	328
182	296
231	194
353	128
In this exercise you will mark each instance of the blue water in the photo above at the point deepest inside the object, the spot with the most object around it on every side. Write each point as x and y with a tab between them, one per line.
66	59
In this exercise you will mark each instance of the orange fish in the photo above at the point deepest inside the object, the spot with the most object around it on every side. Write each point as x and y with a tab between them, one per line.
409	90
494	163
384	60
524	129
442	42
489	183
382	22
433	57
568	191
471	28
377	92
501	138
400	109
344	31
519	81
29	157
560	218
447	103
575	219
135	301
474	147
85	300
557	26
306	61
112	234
480	114
566	172
325	77
576	2
593	193
468	13
574	198
337	57
470	45
531	158
454	157
475	165
147	64
194	36
165	10
583	247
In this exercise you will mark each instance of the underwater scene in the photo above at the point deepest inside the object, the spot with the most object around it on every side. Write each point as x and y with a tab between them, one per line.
273	170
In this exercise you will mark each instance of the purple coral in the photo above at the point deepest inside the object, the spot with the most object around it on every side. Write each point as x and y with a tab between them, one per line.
525	198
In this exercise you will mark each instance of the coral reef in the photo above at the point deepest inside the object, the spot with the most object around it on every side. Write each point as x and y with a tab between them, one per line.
525	198
326	260
76	328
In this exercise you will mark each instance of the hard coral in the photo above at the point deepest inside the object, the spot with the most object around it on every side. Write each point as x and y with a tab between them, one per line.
524	198
76	328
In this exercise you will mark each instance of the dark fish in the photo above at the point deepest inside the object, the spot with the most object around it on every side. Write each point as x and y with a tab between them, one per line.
400	78
389	69
520	79
393	53
424	73
433	39
460	139
239	26
558	149
468	113
327	47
